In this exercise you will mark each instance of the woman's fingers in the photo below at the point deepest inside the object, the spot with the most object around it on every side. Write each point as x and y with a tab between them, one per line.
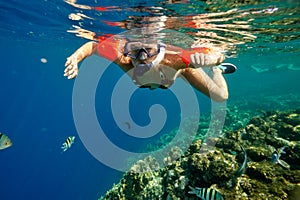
202	59
192	58
71	70
68	62
197	56
199	59
73	75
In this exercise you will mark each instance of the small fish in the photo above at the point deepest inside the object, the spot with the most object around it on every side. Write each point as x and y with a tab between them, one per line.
276	157
68	143
241	170
128	125
5	142
206	193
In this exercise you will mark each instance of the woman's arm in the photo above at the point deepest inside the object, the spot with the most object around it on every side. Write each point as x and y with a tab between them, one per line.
71	70
108	48
214	87
180	58
192	61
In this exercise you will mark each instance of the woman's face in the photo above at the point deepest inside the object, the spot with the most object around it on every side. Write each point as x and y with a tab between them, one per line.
146	60
142	59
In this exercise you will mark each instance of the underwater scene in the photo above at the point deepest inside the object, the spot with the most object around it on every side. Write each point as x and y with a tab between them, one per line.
150	100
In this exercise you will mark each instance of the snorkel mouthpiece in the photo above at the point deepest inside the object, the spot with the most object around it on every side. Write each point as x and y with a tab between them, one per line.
142	69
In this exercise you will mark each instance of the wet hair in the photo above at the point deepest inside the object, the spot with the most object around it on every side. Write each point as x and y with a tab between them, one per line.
150	86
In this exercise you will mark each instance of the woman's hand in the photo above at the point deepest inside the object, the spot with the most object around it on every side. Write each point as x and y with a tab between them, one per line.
206	59
71	65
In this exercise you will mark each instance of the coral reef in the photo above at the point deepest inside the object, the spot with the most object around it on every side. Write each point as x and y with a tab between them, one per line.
207	166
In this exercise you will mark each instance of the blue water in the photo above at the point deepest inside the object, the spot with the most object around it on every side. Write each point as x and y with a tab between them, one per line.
36	100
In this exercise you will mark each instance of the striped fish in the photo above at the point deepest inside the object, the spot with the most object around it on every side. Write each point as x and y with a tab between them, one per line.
5	142
206	193
68	143
241	170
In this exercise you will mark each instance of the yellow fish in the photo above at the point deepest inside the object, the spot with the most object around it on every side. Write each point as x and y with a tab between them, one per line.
4	141
68	143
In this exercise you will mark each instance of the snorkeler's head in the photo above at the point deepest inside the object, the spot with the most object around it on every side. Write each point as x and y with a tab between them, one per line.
148	71
144	56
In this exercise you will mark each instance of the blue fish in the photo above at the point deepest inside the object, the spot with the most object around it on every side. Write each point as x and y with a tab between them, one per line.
206	193
276	158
